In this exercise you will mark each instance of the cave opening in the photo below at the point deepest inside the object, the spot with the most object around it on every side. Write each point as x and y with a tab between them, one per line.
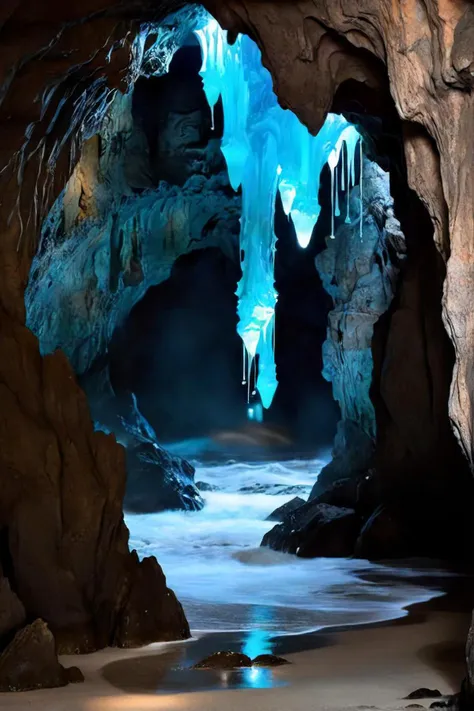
152	335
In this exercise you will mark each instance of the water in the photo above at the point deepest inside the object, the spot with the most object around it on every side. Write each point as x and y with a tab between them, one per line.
227	583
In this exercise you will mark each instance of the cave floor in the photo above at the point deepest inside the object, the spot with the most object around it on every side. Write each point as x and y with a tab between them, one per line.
373	666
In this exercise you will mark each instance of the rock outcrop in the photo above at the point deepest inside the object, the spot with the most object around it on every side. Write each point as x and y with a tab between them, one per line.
156	480
316	530
359	269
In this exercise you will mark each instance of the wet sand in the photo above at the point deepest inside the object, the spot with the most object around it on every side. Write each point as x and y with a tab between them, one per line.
372	666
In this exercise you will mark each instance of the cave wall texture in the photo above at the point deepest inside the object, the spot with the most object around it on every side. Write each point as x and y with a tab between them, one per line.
62	484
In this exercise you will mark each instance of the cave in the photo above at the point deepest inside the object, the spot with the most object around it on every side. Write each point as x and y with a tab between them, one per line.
236	352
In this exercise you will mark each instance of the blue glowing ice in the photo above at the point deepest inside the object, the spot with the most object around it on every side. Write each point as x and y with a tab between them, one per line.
267	149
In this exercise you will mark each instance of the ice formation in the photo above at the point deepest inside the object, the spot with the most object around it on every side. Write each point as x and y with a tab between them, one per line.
267	149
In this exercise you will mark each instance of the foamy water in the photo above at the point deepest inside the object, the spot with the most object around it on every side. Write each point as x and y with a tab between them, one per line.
226	582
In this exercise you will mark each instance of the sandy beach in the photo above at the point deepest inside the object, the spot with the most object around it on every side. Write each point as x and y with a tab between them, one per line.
371	666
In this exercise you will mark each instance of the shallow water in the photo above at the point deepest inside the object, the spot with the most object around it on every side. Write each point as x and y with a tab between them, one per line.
227	583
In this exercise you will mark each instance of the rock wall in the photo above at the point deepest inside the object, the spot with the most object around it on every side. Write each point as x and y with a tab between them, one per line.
114	232
359	269
63	544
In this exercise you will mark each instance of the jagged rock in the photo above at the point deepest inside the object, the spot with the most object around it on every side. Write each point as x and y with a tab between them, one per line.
224	660
151	612
269	660
424	693
316	530
156	480
282	511
30	661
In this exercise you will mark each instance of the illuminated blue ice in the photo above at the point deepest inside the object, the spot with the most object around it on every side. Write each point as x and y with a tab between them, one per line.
267	149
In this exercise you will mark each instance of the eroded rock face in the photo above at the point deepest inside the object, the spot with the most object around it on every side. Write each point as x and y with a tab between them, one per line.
359	269
329	42
115	231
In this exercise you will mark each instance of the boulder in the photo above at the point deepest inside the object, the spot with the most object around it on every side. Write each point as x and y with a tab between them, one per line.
30	661
158	481
225	660
282	511
316	530
269	660
424	694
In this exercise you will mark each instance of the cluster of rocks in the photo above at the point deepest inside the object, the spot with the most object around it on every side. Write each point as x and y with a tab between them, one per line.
455	702
238	660
333	524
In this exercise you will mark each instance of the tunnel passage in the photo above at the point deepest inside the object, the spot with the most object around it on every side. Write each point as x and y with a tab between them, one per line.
158	161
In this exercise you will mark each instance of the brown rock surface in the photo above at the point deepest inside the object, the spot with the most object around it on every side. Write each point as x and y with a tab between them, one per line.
62	484
30	661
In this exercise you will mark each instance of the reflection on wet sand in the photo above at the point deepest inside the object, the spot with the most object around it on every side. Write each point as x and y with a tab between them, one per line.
172	672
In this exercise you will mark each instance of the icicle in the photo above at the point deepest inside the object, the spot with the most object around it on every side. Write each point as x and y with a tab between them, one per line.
348	190
249	377
361	188
332	202
343	177
244	356
337	211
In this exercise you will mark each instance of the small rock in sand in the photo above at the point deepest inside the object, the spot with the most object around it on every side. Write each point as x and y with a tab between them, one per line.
269	660
425	694
224	660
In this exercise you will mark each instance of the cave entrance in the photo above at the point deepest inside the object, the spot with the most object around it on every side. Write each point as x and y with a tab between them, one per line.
152	335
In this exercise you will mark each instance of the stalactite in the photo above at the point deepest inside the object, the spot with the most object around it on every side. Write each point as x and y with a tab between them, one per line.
267	149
